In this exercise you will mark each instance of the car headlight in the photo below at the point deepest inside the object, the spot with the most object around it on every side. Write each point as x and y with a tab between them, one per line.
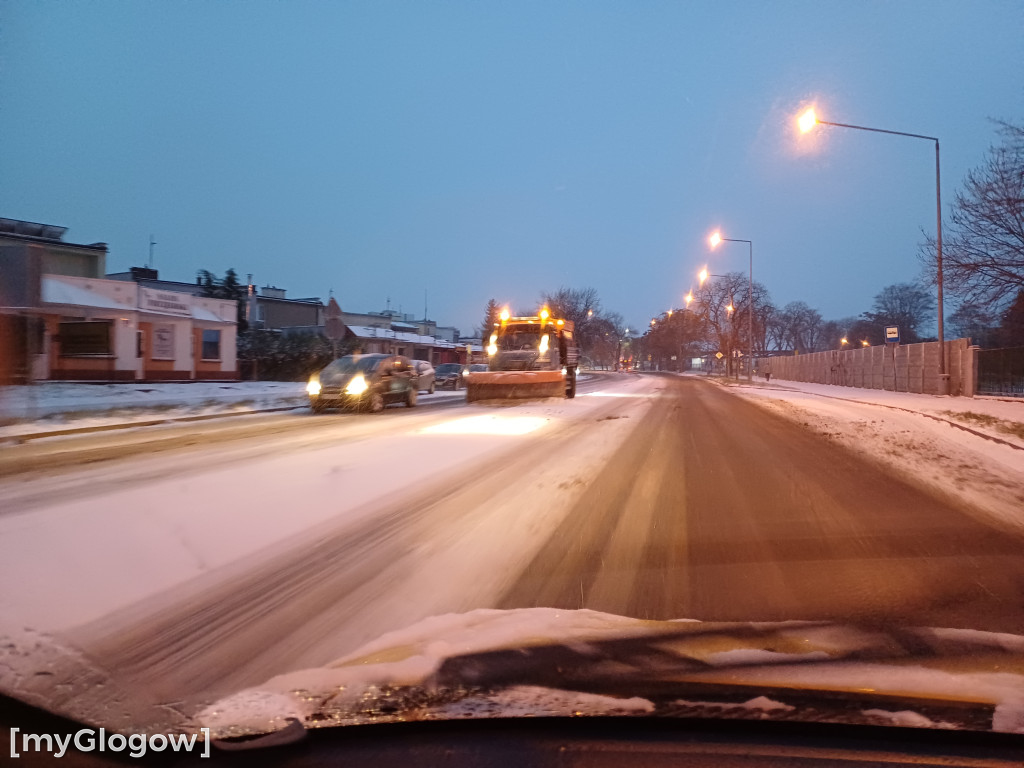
313	387
357	386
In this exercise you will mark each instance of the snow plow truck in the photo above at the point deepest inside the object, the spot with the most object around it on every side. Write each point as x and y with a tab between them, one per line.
527	357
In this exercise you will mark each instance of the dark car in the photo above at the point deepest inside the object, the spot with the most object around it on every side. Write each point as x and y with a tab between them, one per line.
424	376
363	382
448	376
474	368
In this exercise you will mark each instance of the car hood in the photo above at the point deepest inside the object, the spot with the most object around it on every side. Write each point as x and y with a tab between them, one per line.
546	662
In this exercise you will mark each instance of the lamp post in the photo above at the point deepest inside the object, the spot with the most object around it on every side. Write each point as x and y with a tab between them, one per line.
807	121
716	238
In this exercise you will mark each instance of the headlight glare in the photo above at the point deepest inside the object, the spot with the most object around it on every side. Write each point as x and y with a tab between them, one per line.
357	386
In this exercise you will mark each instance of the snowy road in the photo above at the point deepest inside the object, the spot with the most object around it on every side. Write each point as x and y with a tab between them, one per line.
219	563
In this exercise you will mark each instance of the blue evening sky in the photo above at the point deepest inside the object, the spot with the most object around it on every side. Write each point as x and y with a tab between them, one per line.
497	149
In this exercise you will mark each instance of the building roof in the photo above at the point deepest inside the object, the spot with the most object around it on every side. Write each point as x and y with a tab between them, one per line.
367	332
17	229
56	291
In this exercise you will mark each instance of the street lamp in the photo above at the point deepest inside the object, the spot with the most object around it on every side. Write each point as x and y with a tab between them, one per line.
807	121
715	239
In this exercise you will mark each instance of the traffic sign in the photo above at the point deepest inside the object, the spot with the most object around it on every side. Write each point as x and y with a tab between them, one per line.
719	355
892	334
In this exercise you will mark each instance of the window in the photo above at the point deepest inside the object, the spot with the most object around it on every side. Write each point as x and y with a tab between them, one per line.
138	343
86	338
211	345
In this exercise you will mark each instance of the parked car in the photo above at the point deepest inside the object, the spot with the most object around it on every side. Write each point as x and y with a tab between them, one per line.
363	382
424	376
448	375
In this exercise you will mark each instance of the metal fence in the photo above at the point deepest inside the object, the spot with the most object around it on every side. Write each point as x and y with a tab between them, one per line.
1001	372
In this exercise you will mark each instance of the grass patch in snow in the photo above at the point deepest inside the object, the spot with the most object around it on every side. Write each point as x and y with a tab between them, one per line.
1007	427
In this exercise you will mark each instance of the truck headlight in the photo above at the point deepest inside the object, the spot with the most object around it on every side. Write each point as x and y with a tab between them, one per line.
313	387
357	386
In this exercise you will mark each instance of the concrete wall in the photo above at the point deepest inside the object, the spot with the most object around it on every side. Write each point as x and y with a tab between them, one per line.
905	368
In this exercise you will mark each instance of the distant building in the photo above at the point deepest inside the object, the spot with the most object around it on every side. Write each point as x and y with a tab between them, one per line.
272	310
266	308
389	331
60	319
401	322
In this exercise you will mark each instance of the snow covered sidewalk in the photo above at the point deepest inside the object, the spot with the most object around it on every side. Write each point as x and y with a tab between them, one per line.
52	406
969	448
999	418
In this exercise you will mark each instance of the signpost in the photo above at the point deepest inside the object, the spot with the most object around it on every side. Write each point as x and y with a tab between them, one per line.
892	340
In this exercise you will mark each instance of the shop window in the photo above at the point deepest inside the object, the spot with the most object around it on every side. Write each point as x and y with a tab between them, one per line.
86	338
211	345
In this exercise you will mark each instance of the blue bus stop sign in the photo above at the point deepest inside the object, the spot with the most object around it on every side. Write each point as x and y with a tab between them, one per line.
892	334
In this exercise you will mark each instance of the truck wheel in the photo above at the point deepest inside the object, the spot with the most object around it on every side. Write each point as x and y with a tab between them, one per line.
570	383
410	398
375	404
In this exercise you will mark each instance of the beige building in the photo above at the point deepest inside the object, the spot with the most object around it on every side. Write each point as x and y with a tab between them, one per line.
60	319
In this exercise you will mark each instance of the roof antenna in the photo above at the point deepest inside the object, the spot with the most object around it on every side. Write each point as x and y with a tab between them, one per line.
152	242
424	305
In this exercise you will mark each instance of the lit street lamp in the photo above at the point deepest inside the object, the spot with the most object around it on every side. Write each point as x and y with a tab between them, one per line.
807	121
716	238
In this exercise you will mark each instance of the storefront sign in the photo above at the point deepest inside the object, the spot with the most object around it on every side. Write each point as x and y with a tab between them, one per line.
165	302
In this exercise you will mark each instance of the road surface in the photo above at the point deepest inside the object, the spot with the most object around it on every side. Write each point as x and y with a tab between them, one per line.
649	496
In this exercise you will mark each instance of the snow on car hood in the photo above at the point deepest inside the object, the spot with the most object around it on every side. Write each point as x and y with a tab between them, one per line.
549	662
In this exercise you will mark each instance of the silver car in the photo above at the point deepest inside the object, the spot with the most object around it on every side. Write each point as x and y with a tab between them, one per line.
425	376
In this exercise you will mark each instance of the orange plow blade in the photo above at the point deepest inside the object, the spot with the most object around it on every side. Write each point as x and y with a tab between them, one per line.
514	385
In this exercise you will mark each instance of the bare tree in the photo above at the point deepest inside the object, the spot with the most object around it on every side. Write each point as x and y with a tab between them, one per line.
799	327
906	305
983	248
676	334
576	304
971	322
